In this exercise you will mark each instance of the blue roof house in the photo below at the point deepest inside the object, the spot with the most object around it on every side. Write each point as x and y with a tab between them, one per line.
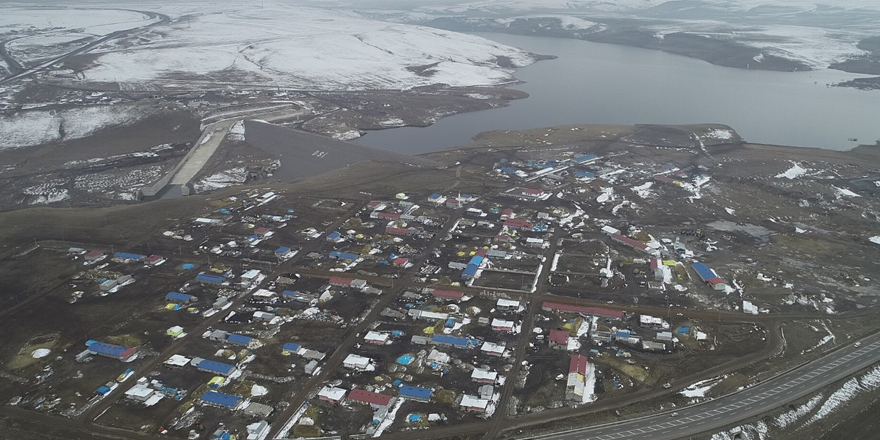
215	367
221	400
415	393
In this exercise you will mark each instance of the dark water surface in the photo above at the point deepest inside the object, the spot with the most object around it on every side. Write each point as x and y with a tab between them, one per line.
594	83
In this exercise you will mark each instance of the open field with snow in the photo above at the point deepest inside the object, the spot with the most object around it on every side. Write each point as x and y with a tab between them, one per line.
291	46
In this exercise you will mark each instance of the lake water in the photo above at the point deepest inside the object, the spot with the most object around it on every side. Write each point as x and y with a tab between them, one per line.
594	83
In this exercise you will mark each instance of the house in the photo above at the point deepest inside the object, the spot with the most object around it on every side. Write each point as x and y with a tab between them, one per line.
518	223
532	193
406	232
447	295
470	272
290	348
664	336
400	262
331	394
484	376
591	311
250	276
558	339
376	338
506	305
626	241
587	158
709	276
237	339
426	315
220	400
375	400
503	325
260	410
436	198
577	375
658	269
213	367
258	430
507	213
355	362
209	279
112	351
180	298
453	203
94	256
177	361
334	237
653	322
216	335
263	316
608	230
418	394
419	340
536	242
473	403
283	252
493	349
125	257
340	282
346	256
141	392
175	331
452	341
154	260
653	346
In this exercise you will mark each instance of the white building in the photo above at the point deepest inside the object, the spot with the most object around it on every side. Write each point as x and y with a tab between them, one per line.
355	362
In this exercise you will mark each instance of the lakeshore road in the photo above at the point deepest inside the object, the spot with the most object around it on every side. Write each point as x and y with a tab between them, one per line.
751	402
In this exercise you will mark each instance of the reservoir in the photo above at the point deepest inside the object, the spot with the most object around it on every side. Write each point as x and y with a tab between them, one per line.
594	83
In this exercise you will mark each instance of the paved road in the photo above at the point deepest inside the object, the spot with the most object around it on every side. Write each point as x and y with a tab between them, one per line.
751	402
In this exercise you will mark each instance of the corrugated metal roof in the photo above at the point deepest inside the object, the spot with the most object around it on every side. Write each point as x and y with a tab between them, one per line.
704	271
415	392
239	339
215	367
364	396
225	400
177	296
107	349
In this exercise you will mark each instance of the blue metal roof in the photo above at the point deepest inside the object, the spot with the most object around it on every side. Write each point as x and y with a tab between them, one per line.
225	400
585	157
704	271
476	260
215	367
209	278
579	173
177	296
290	346
128	256
622	334
343	255
107	349
415	392
507	170
333	235
470	271
282	250
451	340
289	293
239	339
435	196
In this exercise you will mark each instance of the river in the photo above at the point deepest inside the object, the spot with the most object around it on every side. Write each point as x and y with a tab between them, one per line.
595	83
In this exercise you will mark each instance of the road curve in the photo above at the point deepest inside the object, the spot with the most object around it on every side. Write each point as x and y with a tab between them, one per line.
751	402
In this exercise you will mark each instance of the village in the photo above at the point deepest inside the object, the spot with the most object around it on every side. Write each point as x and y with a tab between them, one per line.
287	316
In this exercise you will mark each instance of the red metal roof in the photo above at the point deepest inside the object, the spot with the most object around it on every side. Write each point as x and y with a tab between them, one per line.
517	223
578	364
482	252
398	231
629	241
94	254
716	280
532	192
152	258
447	294
364	396
655	263
610	313
400	261
559	336
337	281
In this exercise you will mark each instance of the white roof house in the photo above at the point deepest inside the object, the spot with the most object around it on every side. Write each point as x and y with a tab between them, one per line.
333	394
177	361
356	362
375	337
502	324
251	274
480	375
139	392
473	402
493	348
507	304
